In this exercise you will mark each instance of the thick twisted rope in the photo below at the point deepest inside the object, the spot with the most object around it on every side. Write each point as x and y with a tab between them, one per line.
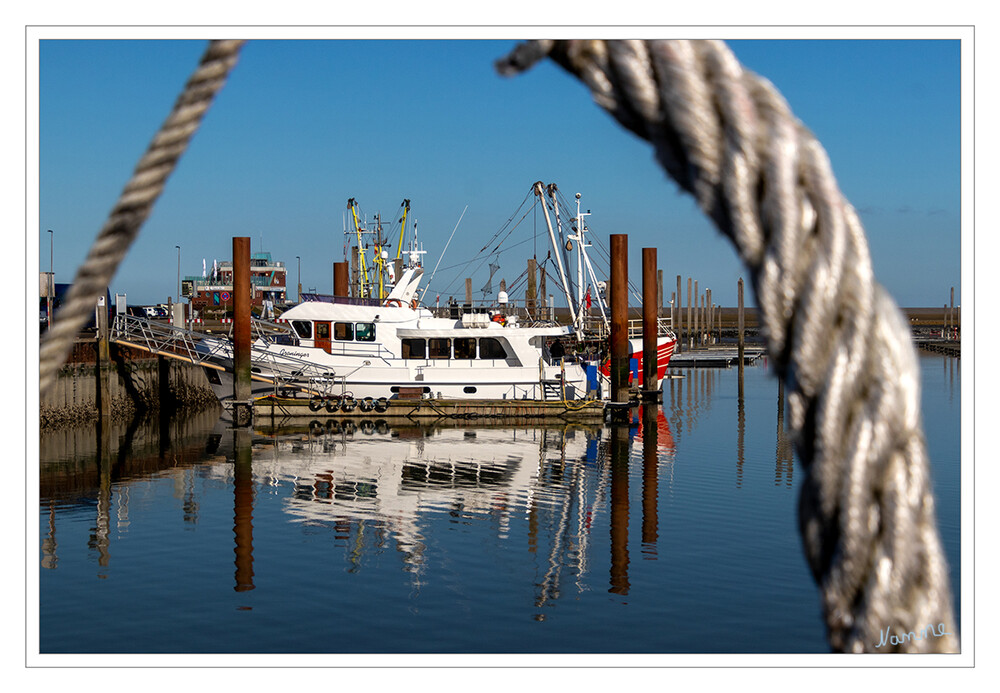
134	206
866	510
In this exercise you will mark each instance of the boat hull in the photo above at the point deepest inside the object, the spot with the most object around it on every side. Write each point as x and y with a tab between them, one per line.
664	351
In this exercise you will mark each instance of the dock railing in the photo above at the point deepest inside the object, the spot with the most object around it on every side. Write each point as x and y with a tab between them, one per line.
284	371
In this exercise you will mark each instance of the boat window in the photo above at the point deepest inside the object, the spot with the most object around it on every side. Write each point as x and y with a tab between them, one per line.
491	348
414	349
303	328
439	348
343	331
364	332
465	348
322	330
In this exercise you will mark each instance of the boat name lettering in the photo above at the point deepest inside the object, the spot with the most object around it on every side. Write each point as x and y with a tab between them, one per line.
296	354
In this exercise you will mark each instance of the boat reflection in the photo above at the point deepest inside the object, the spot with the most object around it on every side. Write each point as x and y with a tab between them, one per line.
375	487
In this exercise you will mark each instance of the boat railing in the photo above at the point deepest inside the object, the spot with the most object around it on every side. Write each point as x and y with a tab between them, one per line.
635	327
285	371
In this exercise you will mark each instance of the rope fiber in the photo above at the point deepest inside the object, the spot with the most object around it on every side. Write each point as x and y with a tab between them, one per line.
837	340
134	206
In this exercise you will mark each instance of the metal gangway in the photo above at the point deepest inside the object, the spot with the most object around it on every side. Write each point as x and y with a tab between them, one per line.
286	373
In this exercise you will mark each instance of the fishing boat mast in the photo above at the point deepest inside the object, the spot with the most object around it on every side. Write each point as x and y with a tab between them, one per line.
559	255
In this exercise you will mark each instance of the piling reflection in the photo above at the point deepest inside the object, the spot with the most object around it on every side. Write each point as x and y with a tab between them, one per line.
650	480
620	448
243	497
92	467
377	488
784	462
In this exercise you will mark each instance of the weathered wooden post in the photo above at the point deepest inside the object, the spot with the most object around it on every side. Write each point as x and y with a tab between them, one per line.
543	306
650	311
619	318
242	403
676	326
659	293
673	325
341	279
103	365
531	293
468	293
711	316
687	321
951	315
697	310
355	273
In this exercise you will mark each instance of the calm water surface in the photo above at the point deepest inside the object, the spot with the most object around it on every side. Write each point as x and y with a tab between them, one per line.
674	535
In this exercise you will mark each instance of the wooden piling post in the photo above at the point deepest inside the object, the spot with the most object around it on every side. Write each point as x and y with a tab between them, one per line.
103	365
676	326
541	293
951	314
650	311
673	303
659	293
355	273
341	279
711	315
242	404
687	322
619	318
697	311
468	293
531	293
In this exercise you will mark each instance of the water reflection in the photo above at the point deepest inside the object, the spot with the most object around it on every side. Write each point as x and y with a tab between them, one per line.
375	487
689	397
448	537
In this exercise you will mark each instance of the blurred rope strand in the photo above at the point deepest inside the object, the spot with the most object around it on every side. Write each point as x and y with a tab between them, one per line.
134	206
840	344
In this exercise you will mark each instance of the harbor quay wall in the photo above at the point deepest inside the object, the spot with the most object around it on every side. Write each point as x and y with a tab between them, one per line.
135	382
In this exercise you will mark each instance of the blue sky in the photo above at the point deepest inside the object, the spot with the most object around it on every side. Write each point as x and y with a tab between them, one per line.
302	126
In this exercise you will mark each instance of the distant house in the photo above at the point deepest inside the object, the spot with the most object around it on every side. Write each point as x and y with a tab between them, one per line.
215	291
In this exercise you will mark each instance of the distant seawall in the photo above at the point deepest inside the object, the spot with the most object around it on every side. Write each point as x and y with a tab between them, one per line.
136	384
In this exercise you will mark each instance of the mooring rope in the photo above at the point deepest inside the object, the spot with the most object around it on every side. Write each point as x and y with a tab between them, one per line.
134	206
866	511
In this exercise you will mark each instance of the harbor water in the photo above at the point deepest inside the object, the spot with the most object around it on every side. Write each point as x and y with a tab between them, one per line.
676	534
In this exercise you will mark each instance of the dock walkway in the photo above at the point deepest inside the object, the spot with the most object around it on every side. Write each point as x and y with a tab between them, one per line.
715	357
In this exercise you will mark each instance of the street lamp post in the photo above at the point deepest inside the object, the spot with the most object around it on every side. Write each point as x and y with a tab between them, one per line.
50	284
299	292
